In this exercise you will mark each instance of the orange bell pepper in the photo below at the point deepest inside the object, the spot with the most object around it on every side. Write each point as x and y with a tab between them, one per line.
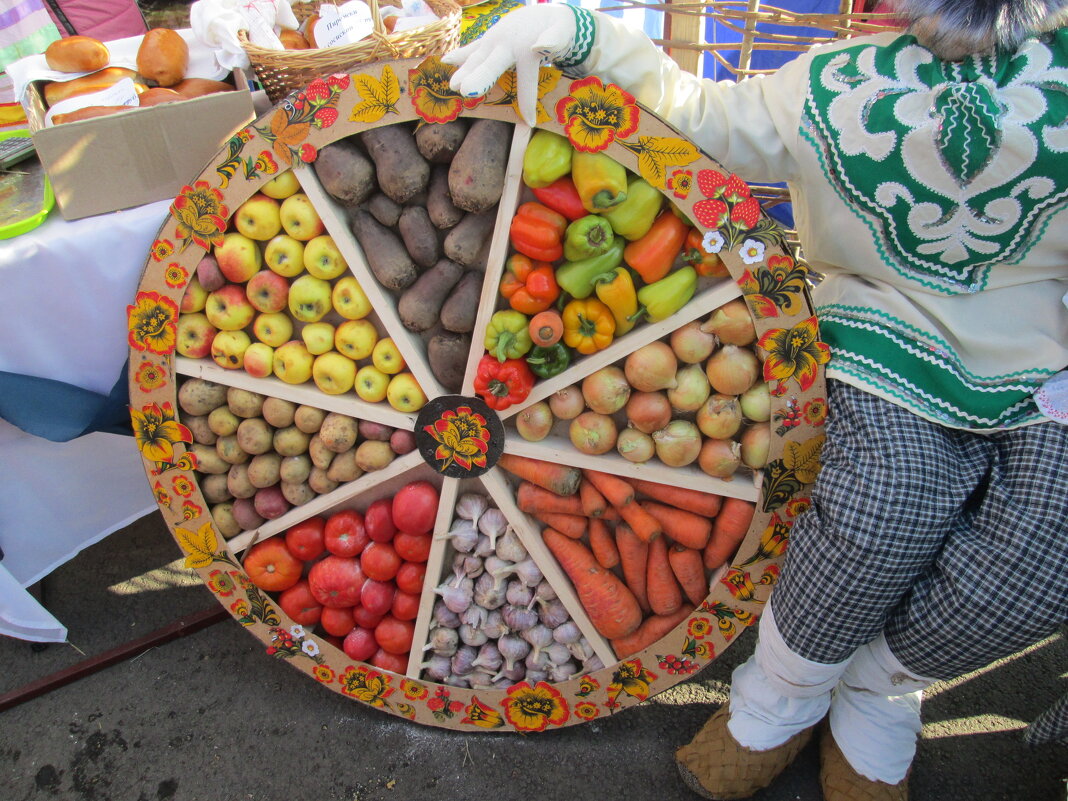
537	231
588	325
706	264
653	255
528	285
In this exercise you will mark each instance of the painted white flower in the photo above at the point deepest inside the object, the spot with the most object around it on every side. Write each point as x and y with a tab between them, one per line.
310	647
296	632
713	242
752	251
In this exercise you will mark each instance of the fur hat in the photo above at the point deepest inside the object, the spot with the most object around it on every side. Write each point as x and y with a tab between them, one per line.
954	29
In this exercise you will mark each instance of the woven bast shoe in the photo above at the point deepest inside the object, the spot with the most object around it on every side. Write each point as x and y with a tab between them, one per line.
715	766
841	783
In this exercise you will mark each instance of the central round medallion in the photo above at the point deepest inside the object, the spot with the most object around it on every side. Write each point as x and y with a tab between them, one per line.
459	436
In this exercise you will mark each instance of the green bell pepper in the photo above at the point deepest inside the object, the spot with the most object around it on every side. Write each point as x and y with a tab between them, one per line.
663	298
586	237
547	362
633	218
576	277
547	157
508	335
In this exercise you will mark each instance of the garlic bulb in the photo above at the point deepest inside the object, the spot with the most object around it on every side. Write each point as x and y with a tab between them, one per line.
472	635
471	505
463	535
489	593
567	633
442	641
553	613
493	524
509	548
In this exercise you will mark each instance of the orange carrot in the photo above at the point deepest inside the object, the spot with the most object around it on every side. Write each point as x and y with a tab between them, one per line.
688	566
603	544
633	556
615	489
665	595
612	608
728	530
535	500
593	502
611	515
573	526
684	527
696	501
644	524
652	629
558	478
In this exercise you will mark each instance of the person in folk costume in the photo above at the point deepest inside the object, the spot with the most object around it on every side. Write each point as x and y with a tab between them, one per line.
927	169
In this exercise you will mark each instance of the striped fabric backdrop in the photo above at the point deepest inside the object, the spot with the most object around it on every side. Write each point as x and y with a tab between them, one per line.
25	29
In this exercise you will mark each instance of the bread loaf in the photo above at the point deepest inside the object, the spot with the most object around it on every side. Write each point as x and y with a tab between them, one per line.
157	95
196	87
77	54
54	91
293	40
163	57
88	113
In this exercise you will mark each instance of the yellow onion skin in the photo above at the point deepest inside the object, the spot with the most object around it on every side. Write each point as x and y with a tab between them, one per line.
651	367
720	458
678	443
756	443
567	403
732	324
635	446
593	433
535	422
732	369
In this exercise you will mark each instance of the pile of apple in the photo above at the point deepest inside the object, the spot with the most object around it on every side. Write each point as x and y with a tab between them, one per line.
356	575
276	297
259	456
696	396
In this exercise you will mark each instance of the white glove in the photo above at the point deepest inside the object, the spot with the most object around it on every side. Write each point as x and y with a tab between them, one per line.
525	38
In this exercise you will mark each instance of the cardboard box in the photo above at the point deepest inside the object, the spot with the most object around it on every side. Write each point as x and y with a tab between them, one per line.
135	157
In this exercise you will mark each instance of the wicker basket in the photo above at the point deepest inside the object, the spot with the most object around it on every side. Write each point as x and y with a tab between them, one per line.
281	71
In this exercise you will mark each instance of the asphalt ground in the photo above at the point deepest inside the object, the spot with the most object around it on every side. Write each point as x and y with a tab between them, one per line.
210	717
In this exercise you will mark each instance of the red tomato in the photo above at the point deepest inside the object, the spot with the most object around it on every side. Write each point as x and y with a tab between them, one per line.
393	635
337	620
365	618
360	644
412	547
330	638
271	566
410	577
405	605
344	534
305	539
397	663
378	520
299	603
336	581
415	507
380	561
377	596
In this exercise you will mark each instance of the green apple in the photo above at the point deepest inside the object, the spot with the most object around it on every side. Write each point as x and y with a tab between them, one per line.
349	299
356	338
371	384
259	360
404	393
228	349
323	259
293	362
238	257
285	255
195	296
309	298
318	337
273	329
282	185
258	217
268	291
333	373
386	357
194	335
228	308
299	217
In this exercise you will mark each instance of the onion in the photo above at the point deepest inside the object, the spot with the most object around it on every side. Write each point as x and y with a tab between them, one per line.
720	416
756	402
756	442
593	433
691	344
648	411
635	446
535	422
732	324
678	443
651	367
720	458
606	390
567	403
691	389
731	370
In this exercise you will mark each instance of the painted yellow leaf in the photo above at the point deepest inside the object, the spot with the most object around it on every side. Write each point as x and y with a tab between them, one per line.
200	547
548	78
657	153
378	97
804	458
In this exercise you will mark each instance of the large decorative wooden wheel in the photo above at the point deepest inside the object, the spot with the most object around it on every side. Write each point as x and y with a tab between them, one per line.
356	373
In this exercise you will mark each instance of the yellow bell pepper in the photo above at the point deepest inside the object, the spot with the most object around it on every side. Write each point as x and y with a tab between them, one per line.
616	290
601	181
588	325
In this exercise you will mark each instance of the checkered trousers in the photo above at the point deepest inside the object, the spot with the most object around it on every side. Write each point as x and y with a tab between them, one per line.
954	543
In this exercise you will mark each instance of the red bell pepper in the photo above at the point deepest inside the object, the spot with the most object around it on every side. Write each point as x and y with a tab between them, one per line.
530	286
502	384
538	231
562	196
694	254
